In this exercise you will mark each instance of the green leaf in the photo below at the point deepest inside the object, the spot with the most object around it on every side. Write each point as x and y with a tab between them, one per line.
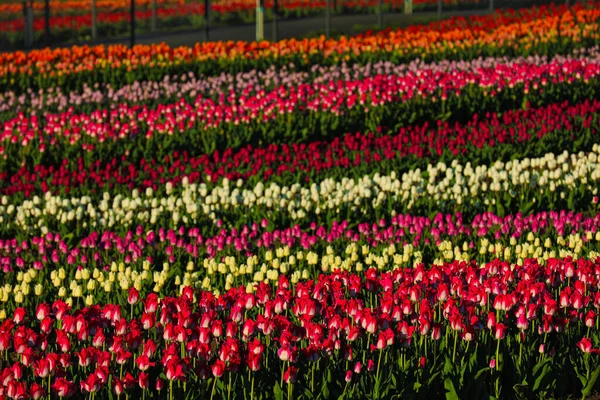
539	372
481	372
500	209
433	378
278	392
581	376
450	391
521	389
448	366
591	383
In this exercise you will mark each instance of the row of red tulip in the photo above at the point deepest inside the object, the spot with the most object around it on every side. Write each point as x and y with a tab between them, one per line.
518	128
499	316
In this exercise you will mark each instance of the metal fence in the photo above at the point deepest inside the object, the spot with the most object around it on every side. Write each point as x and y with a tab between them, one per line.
39	23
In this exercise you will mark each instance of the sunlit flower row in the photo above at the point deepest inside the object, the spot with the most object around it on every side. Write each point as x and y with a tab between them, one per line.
545	181
188	85
305	102
101	273
339	332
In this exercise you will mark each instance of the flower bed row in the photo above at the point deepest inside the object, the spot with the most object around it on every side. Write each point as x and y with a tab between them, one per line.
189	86
299	113
550	182
103	265
547	30
521	133
459	328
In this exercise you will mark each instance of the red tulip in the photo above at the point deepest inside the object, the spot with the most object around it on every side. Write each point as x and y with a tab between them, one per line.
41	368
500	331
218	369
43	311
585	345
133	296
117	386
254	361
348	377
148	320
63	387
370	365
17	390
143	380
19	315
590	319
291	374
357	368
284	353
37	391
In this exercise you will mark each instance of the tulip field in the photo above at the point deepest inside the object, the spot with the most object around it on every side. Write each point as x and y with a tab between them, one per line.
404	214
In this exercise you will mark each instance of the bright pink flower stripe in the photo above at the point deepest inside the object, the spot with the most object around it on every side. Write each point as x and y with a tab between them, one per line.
99	249
336	97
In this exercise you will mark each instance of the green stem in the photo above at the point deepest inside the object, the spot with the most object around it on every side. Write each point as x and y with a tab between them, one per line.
282	372
378	365
212	392
454	351
367	349
312	381
229	386
498	369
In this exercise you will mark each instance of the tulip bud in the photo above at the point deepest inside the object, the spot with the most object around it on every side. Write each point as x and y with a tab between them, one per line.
348	376
370	366
134	296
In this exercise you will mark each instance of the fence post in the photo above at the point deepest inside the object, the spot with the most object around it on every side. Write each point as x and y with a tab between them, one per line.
28	15
439	9
328	18
380	14
206	19
132	16
260	21
94	29
47	19
275	21
154	24
408	7
491	5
